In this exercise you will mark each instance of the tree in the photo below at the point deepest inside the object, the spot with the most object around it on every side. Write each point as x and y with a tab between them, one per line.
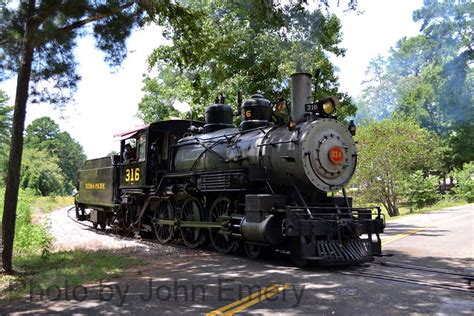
449	25
41	173
420	190
378	99
429	77
389	151
5	126
41	132
236	50
37	40
157	103
44	134
464	188
5	118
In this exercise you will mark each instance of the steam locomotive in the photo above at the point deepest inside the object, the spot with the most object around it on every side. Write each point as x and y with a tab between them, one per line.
267	185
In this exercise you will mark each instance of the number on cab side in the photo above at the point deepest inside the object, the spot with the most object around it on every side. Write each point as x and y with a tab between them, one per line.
132	174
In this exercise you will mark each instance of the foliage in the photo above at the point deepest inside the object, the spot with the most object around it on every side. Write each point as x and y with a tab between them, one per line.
37	39
157	103
57	26
407	209
420	189
73	267
5	126
461	143
41	173
378	97
429	77
47	204
44	134
30	238
389	151
238	50
5	118
464	188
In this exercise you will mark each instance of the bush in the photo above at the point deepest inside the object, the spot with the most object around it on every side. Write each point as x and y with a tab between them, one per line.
41	173
464	188
389	151
420	190
30	239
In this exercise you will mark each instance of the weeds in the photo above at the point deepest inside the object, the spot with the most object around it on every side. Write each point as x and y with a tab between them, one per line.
63	268
40	268
47	204
30	239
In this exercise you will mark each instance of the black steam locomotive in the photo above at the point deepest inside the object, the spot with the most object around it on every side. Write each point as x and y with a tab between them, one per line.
263	186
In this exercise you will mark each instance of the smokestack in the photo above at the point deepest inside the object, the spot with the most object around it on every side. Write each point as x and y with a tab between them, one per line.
300	95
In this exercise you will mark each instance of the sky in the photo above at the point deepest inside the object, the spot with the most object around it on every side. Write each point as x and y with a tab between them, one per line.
106	102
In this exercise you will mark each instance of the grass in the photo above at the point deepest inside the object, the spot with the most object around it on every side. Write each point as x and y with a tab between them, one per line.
405	209
30	238
47	204
69	268
41	269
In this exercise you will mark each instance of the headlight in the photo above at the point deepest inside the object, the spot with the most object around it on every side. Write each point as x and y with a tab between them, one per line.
325	106
328	106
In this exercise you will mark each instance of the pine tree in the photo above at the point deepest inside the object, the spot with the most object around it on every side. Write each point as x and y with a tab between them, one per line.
37	38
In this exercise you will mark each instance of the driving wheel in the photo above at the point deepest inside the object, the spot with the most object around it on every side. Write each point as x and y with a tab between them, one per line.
220	213
164	211
191	211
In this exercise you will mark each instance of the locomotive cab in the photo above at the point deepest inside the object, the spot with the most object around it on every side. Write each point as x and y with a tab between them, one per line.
151	147
133	169
142	151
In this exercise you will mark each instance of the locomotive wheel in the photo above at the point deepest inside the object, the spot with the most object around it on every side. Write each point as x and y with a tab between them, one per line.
102	226
223	243
164	233
256	251
191	211
95	224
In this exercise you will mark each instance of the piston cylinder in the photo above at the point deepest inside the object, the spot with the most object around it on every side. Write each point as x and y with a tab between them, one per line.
268	231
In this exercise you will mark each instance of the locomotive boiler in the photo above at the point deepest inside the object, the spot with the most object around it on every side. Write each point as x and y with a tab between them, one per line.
266	185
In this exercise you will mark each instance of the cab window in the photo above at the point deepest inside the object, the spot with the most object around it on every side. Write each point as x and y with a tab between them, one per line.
129	152
141	147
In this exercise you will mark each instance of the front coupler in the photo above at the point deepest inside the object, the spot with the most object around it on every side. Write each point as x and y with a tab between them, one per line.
333	235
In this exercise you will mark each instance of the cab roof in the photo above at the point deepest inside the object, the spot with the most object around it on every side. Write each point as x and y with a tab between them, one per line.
175	127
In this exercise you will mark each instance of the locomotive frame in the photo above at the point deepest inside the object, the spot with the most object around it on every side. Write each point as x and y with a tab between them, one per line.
260	187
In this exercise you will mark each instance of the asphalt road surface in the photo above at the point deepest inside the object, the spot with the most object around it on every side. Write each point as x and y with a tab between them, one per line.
429	272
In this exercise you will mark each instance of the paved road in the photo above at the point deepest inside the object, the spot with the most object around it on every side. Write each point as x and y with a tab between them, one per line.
432	254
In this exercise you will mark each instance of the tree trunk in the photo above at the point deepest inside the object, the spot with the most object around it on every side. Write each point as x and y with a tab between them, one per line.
391	200
16	147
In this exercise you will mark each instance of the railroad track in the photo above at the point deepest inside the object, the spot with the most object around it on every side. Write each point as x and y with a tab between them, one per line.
417	275
396	272
147	242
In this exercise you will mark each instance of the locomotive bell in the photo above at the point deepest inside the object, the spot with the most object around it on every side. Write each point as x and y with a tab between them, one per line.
300	95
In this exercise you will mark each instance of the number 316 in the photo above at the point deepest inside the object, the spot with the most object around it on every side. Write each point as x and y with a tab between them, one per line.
132	174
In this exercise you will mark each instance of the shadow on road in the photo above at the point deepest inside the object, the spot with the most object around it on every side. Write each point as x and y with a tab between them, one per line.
201	281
